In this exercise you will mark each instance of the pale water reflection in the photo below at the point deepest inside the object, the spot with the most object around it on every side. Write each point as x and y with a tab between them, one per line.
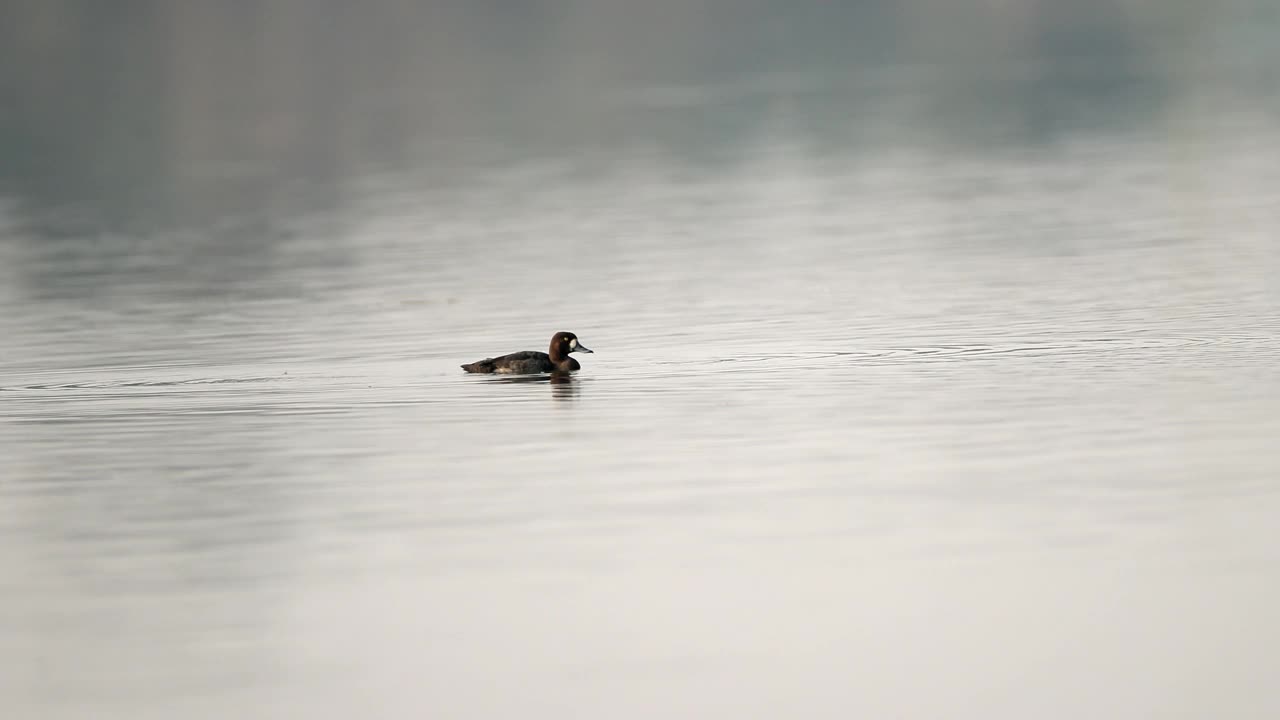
932	414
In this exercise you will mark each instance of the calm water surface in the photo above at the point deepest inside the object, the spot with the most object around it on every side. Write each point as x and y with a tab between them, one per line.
895	427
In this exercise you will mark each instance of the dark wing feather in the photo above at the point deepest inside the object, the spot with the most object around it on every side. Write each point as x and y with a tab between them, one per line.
527	361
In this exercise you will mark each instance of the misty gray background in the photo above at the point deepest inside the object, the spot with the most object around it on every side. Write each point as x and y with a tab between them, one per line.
935	368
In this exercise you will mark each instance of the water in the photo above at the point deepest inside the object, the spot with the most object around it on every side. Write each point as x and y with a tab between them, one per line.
921	389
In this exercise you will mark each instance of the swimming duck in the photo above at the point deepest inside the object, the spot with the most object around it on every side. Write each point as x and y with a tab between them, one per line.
556	359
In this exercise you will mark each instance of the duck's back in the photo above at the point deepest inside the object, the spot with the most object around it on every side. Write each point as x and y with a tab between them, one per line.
528	361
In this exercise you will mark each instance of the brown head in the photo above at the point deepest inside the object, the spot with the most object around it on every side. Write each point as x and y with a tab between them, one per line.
563	343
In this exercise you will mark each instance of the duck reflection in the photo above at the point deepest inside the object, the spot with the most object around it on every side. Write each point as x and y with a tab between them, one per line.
563	385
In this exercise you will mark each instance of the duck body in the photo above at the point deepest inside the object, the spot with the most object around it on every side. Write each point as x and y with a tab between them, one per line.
526	362
529	362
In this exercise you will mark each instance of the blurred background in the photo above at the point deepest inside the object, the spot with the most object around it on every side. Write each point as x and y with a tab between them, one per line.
934	374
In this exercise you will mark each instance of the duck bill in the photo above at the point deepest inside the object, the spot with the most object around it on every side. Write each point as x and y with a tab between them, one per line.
582	348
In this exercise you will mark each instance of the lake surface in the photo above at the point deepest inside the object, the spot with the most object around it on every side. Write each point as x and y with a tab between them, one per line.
928	382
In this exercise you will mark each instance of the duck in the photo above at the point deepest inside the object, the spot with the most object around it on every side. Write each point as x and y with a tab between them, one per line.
528	362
